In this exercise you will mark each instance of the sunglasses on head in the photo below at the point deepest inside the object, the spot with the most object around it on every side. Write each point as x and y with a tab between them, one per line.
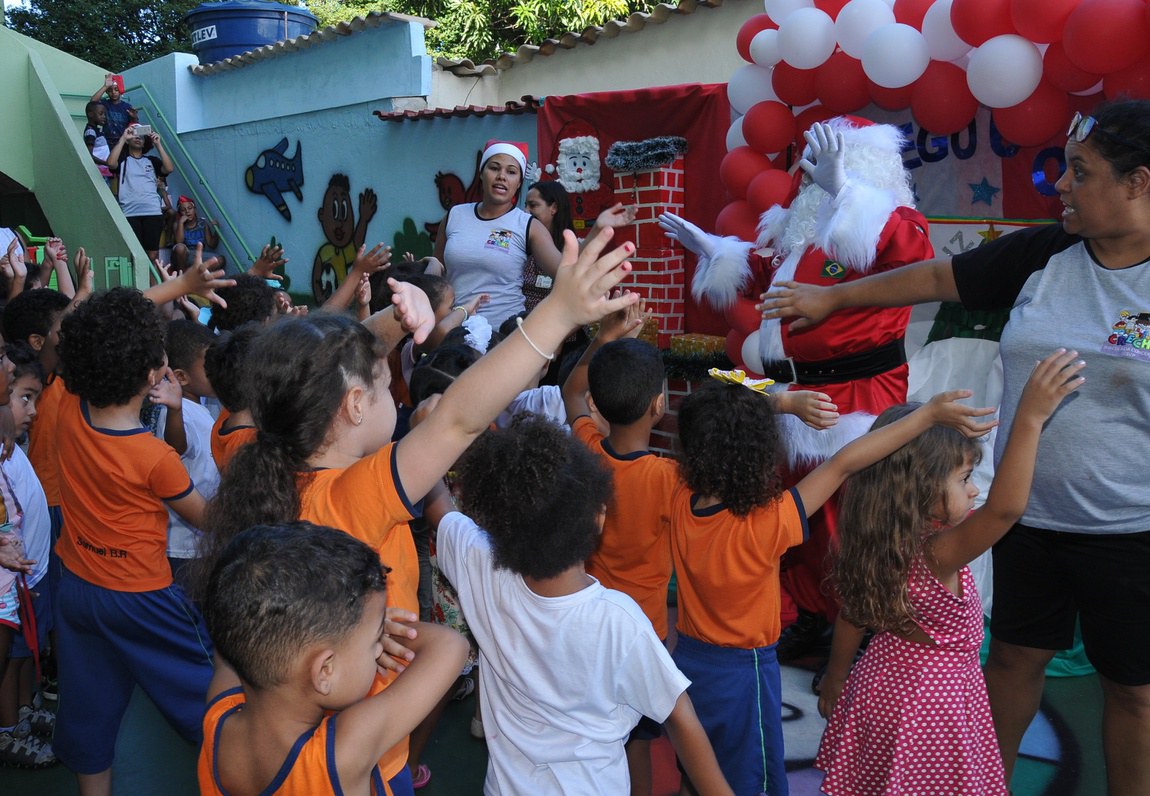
1082	127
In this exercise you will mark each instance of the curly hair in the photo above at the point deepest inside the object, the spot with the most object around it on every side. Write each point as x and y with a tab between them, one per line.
33	312
624	377
250	299
300	370
226	364
187	340
538	493
731	446
1122	135
436	371
109	344
885	518
25	361
277	589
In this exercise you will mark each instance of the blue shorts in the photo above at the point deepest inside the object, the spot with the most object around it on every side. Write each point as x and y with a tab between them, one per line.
10	611
42	610
738	696
108	643
401	783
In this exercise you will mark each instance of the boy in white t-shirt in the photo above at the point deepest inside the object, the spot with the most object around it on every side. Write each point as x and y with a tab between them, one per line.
568	665
188	430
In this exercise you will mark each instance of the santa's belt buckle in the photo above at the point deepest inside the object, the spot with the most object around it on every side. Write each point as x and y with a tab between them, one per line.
781	370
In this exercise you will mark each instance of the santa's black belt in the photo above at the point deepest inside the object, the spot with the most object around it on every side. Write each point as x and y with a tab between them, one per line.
863	365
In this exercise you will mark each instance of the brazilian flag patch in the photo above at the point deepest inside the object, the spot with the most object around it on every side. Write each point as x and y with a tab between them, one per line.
833	269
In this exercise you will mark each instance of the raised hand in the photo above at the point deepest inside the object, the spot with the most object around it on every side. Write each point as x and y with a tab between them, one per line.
810	304
690	236
585	278
947	411
396	625
167	391
271	257
824	164
1050	382
412	309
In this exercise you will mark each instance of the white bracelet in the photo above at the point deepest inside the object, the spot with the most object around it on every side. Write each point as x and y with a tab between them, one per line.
530	342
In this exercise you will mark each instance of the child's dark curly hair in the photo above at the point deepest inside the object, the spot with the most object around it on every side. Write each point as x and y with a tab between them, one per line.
32	313
538	493
25	361
436	371
187	340
226	366
109	344
250	299
731	446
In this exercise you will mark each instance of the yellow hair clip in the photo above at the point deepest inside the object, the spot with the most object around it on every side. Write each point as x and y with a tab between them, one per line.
739	377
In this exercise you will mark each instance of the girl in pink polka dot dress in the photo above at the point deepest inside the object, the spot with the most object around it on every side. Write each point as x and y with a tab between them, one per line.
913	716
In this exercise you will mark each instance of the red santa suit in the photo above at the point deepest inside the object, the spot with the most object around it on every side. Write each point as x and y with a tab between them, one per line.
856	355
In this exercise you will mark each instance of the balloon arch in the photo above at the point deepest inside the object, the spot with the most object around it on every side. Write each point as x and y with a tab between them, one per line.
809	60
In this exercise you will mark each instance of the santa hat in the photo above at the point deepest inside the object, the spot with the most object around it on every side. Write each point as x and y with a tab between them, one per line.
513	149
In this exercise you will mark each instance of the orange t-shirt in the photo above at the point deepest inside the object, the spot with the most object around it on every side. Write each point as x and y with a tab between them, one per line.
113	485
42	436
634	553
728	568
366	501
224	444
309	769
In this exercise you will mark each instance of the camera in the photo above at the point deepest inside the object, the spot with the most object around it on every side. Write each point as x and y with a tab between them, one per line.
142	130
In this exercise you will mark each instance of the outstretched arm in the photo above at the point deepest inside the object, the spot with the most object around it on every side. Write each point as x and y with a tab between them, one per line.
931	280
943	408
617	325
1051	381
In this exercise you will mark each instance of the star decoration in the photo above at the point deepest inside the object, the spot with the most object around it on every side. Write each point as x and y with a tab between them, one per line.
983	192
990	234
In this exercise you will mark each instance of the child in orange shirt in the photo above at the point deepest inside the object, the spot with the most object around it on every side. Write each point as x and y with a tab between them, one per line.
731	522
120	619
285	677
226	366
325	419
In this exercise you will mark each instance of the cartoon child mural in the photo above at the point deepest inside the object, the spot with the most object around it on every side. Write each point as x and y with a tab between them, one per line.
344	235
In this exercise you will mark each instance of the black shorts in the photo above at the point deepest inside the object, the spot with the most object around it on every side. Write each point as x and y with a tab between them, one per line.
1046	580
147	229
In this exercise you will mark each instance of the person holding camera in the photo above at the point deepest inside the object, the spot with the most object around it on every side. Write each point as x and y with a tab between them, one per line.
137	171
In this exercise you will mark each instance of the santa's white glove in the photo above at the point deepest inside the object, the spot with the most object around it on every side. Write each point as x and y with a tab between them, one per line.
823	159
532	173
693	239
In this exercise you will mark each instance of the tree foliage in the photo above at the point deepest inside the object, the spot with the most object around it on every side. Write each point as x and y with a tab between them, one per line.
482	29
114	34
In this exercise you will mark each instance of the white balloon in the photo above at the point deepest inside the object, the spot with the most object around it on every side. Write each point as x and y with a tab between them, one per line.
778	10
1087	92
735	134
806	38
1004	71
765	47
750	351
895	55
941	40
859	19
749	85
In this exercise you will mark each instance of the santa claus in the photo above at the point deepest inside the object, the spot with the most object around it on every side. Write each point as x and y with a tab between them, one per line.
579	168
853	215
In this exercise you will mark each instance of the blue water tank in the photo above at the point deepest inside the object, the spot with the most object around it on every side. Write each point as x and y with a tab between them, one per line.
221	30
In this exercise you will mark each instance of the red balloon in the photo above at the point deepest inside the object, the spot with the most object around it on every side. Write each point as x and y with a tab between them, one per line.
941	101
743	316
890	99
756	24
1133	82
738	167
1104	36
1057	69
770	188
804	121
911	12
768	127
734	350
794	86
1038	118
737	219
976	21
841	83
831	7
1041	21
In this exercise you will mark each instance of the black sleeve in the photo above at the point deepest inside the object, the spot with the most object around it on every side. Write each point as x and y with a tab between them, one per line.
991	276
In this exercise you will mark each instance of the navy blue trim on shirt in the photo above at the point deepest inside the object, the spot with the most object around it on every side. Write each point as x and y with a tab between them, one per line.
191	488
111	432
710	511
329	753
225	431
802	511
624	457
407	504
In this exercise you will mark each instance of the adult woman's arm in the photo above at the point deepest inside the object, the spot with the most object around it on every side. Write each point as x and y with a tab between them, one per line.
931	280
441	239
